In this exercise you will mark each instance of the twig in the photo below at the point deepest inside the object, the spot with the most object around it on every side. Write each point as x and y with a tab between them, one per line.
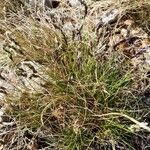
141	125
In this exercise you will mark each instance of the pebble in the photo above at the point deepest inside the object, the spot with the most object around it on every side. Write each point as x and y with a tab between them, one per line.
74	3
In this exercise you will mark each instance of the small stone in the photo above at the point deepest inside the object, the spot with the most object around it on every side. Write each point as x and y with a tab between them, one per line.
68	26
74	3
128	22
110	16
1	113
124	32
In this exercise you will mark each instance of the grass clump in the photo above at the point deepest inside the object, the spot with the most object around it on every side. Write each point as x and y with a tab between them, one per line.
80	88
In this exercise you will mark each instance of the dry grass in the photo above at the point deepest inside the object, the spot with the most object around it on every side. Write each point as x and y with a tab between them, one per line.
90	99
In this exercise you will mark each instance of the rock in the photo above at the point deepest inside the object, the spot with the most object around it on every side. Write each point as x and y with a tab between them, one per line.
44	3
74	3
68	26
110	16
26	75
51	3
